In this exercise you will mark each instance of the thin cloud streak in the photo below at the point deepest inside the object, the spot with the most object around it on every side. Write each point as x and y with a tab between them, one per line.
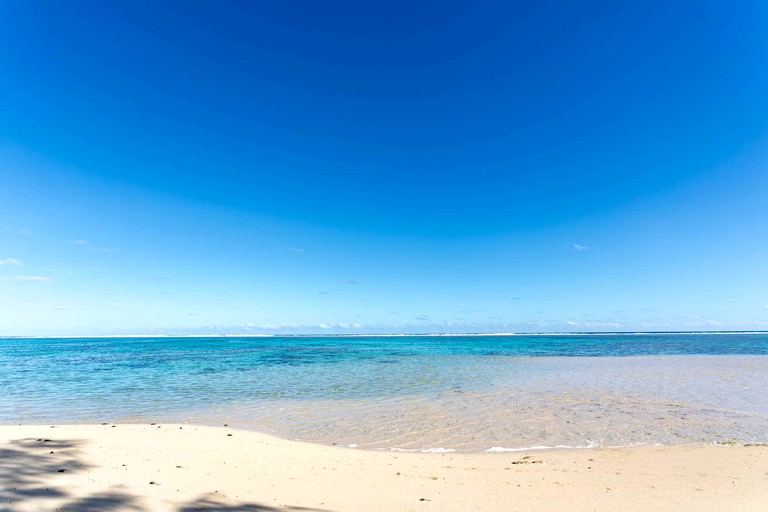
37	279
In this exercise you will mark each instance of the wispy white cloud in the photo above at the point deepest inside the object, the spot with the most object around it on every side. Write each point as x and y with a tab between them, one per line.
339	325
295	250
276	328
10	261
38	279
577	247
588	325
80	241
349	281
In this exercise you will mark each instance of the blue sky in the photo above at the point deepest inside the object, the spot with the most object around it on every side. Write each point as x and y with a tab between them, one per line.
275	167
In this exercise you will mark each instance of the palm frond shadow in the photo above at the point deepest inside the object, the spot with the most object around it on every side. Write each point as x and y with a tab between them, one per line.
32	472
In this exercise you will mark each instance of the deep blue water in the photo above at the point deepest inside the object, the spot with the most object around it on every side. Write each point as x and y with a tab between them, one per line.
307	349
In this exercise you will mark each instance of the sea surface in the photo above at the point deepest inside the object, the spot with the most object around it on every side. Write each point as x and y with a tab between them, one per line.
425	393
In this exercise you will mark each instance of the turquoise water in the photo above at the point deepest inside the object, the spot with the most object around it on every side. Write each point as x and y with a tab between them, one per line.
410	392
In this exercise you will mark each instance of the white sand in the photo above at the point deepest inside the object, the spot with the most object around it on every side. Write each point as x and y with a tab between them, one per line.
186	468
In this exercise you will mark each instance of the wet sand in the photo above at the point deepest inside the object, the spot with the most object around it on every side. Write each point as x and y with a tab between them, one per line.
184	468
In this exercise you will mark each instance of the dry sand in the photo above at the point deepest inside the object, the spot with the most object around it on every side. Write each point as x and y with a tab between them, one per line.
189	468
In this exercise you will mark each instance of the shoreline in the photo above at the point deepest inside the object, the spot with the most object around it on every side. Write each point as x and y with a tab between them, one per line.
365	447
180	467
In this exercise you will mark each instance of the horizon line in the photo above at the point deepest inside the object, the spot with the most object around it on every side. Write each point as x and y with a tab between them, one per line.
385	335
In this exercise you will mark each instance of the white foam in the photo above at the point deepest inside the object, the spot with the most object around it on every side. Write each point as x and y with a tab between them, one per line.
501	449
427	450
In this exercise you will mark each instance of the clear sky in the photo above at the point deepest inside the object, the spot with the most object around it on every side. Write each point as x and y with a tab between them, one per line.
351	167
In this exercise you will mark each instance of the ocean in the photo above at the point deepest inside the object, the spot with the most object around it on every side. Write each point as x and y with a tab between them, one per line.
420	393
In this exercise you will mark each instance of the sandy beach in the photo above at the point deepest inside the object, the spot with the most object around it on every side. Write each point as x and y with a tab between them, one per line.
168	467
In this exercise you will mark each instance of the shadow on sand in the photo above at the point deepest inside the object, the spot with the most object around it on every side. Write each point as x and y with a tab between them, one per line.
212	506
32	473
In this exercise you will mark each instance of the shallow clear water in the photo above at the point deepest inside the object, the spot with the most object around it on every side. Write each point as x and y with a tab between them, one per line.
465	393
